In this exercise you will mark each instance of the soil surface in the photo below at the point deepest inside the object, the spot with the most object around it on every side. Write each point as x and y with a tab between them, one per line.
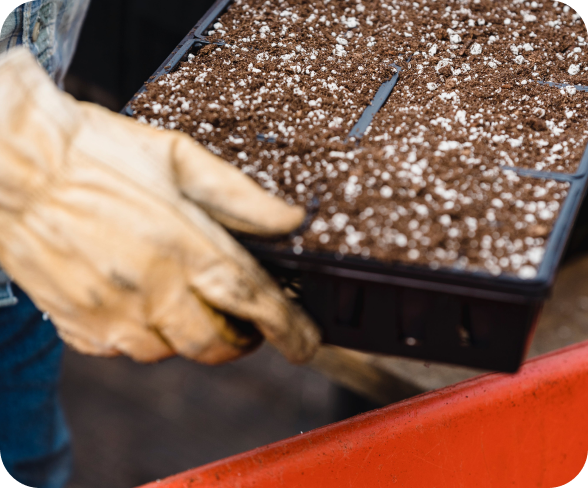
428	182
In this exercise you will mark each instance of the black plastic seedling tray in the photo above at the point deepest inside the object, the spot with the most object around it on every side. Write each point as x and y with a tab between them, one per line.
453	316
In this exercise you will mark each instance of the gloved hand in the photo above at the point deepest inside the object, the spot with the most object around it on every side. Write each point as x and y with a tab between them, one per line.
112	227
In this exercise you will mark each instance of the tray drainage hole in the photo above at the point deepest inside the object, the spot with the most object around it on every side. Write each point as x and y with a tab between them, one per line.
416	313
464	337
464	328
350	301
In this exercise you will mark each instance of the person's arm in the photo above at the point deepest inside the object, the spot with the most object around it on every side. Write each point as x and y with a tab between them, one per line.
48	29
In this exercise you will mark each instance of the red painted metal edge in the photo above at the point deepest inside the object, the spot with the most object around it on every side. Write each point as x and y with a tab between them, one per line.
496	430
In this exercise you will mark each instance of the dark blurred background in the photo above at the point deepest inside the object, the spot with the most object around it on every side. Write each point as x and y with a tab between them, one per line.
132	423
123	42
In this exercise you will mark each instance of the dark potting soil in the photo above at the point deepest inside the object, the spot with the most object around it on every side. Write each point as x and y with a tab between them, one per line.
427	182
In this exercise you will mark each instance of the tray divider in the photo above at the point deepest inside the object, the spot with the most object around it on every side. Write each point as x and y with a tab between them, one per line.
548	175
563	85
375	105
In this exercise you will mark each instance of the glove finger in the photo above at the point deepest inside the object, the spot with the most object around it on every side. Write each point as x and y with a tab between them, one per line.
229	196
194	329
229	279
281	322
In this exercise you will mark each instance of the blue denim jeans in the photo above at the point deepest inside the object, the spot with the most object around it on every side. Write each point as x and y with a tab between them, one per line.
34	439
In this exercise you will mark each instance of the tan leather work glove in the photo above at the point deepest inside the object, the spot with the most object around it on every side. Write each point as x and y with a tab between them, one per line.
111	227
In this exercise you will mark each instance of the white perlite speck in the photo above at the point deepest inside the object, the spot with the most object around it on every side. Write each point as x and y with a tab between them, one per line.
441	64
455	38
574	69
339	221
339	50
476	49
319	226
449	145
352	23
445	220
386	191
527	273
